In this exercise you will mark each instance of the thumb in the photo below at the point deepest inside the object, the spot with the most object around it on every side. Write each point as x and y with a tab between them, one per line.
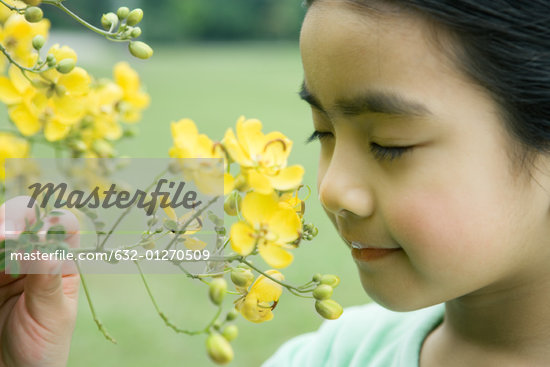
43	295
46	289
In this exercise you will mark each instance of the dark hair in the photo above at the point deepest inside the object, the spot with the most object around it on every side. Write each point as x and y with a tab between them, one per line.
504	46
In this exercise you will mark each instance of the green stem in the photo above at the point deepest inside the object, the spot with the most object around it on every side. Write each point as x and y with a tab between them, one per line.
12	8
165	318
59	4
92	309
8	56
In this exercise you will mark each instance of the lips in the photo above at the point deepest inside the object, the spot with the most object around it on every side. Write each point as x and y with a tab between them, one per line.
364	252
359	246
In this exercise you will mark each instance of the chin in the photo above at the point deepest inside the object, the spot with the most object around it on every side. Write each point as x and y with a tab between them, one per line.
395	299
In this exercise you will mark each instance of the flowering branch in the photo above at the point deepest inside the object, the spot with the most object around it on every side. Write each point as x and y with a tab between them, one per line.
98	322
165	318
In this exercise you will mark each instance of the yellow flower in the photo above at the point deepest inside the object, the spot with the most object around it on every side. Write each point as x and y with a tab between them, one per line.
55	105
134	100
16	36
11	147
263	158
258	303
268	226
102	119
188	143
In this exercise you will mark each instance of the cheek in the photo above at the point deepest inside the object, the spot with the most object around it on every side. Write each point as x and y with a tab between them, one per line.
442	232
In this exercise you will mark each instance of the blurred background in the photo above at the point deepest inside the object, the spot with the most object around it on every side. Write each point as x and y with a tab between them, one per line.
214	60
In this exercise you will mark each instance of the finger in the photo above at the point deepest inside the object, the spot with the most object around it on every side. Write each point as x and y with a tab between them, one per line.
57	263
10	290
13	215
6	279
44	296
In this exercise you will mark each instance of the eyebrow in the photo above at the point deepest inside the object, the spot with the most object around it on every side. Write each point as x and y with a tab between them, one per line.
370	102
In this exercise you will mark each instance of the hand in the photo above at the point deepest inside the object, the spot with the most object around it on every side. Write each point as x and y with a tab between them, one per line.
37	311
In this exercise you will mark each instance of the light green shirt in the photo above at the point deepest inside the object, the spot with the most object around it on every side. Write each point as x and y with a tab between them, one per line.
368	335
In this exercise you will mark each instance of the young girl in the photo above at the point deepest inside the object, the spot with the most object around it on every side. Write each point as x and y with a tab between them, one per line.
434	124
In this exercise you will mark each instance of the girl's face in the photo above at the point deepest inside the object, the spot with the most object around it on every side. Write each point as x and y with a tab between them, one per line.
414	156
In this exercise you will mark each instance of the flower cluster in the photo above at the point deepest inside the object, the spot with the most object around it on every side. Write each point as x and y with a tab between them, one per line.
264	191
49	97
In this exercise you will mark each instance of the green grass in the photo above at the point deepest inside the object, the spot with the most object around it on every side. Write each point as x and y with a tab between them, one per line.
212	84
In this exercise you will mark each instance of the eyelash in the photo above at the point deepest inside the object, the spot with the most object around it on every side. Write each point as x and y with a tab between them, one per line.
381	153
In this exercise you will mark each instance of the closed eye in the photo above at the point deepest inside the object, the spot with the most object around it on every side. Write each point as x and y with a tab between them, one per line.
318	135
382	153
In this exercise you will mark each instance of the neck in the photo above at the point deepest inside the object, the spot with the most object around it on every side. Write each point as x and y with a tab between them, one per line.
512	320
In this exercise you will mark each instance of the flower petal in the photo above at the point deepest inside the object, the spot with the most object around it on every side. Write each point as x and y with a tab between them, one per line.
275	256
185	134
125	76
265	289
234	149
277	149
68	109
194	243
8	93
258	182
26	122
64	52
56	130
257	208
77	81
18	79
242	238
288	178
251	138
252	311
285	224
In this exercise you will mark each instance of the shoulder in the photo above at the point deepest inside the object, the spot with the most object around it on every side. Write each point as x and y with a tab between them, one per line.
362	334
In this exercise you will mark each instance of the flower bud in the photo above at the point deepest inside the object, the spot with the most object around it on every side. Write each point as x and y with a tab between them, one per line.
148	245
231	203
240	183
33	14
130	131
331	280
134	17
37	42
230	332
323	291
140	49
242	277
218	288
329	309
122	12
107	20
219	349
232	315
65	66
50	60
102	148
317	277
135	33
79	146
60	90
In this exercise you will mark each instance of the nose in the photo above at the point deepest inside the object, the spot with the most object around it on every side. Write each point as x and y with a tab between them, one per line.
343	183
